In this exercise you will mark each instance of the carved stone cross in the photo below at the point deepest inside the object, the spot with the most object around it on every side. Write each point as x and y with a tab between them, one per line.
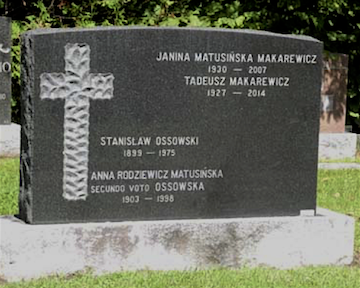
76	86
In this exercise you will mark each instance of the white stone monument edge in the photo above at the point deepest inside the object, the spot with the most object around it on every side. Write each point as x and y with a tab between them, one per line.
337	146
32	251
10	140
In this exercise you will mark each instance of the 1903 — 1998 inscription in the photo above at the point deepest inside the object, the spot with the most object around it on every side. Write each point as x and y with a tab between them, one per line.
5	70
144	123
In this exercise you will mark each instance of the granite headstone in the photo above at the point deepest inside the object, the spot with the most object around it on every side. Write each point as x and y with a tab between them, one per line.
149	123
5	70
333	93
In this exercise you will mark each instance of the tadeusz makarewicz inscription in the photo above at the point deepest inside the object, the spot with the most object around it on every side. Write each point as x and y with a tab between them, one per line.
5	70
148	123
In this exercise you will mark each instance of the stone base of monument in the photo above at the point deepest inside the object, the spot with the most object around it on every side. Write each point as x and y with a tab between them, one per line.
30	251
333	146
10	140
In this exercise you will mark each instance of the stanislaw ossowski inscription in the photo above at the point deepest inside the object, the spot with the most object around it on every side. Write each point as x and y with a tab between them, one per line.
196	124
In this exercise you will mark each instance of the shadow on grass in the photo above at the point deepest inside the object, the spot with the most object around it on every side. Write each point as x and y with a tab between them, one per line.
356	260
2	281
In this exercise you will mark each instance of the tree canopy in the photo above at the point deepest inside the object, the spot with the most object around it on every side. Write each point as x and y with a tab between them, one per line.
335	22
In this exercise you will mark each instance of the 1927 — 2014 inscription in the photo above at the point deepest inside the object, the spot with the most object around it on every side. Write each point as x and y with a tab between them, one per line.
171	124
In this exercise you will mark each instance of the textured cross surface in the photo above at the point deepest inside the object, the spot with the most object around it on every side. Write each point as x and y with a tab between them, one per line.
76	86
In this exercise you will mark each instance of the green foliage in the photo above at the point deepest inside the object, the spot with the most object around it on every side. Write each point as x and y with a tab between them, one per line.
334	22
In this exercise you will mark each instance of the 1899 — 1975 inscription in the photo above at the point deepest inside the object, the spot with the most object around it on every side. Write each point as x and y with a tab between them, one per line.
169	124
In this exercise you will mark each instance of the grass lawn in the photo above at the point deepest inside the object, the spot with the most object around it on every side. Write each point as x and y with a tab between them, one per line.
320	277
346	160
9	186
338	190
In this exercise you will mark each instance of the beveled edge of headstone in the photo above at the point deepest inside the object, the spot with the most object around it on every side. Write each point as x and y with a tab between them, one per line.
27	79
43	31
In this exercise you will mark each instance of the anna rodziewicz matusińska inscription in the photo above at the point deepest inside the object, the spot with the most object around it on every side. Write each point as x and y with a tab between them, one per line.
145	123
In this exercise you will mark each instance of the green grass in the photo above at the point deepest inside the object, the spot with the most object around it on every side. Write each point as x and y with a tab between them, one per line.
320	277
9	186
346	160
338	190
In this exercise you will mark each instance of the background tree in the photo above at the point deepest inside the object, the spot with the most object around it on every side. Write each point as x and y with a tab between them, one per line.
335	22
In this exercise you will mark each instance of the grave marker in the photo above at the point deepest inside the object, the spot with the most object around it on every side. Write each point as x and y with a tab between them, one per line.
333	93
205	125
197	125
5	70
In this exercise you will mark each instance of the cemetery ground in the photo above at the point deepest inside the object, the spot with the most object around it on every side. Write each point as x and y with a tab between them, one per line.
338	190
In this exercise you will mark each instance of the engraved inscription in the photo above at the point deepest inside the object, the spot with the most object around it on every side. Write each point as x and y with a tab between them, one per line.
4	50
5	72
149	182
220	76
5	67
